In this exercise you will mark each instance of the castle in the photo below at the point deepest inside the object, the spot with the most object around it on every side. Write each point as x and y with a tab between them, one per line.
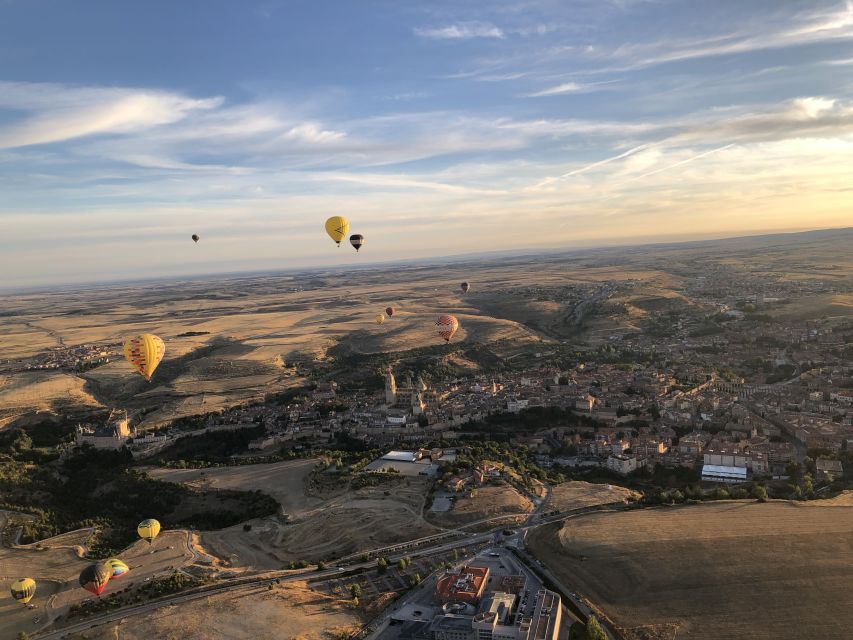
112	435
408	396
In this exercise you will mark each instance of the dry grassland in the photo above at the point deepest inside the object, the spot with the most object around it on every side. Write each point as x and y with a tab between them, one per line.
55	564
291	611
578	495
312	526
283	481
722	570
487	502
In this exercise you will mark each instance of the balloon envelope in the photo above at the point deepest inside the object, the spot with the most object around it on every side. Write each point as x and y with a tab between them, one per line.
380	319
23	590
118	567
196	238
390	311
337	227
446	326
94	578
464	286
148	529
145	352
356	240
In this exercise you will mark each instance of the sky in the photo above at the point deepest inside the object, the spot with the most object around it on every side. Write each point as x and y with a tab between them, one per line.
438	128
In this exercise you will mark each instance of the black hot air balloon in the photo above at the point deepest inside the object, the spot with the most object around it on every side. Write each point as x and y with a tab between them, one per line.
356	240
464	286
94	578
196	238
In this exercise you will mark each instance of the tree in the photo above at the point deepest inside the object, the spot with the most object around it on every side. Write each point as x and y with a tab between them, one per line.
808	484
382	565
594	630
355	591
759	493
321	566
454	554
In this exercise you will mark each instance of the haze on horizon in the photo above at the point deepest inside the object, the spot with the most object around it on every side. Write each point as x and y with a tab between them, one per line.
437	128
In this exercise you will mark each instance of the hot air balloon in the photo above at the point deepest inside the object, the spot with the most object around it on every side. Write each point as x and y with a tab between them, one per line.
464	286
118	567
148	529
145	352
23	590
446	326
337	227
390	311
356	240
195	238
95	577
380	319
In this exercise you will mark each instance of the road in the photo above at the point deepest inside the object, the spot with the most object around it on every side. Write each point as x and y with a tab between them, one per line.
288	575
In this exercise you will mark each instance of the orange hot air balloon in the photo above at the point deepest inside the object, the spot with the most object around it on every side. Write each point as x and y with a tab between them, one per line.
145	352
390	311
446	326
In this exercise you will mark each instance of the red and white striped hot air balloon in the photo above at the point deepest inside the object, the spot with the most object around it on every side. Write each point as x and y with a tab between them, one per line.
446	326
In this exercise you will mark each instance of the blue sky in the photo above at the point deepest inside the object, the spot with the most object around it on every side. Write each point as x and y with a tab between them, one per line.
436	127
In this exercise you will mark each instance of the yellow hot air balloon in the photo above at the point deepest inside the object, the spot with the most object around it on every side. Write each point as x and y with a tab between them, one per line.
337	227
148	529
380	319
23	590
145	352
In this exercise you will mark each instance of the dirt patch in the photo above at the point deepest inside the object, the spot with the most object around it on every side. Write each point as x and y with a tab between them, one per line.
578	495
710	569
486	502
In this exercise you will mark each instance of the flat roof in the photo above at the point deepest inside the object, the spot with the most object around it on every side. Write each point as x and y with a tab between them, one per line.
723	471
400	456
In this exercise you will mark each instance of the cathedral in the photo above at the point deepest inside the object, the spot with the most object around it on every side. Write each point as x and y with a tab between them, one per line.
408	396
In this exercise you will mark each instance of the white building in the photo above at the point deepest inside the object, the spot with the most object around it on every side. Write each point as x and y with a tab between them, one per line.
622	464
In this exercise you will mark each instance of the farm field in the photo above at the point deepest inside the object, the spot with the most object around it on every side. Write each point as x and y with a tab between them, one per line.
287	611
703	571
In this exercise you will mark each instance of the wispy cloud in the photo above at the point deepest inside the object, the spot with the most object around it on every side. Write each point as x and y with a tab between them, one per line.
818	26
64	113
570	87
461	31
560	89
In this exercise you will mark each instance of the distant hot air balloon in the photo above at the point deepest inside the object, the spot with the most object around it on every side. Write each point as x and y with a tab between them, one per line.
390	311
118	567
446	326
356	240
95	577
380	319
195	238
23	590
337	227
148	529
464	286
145	352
